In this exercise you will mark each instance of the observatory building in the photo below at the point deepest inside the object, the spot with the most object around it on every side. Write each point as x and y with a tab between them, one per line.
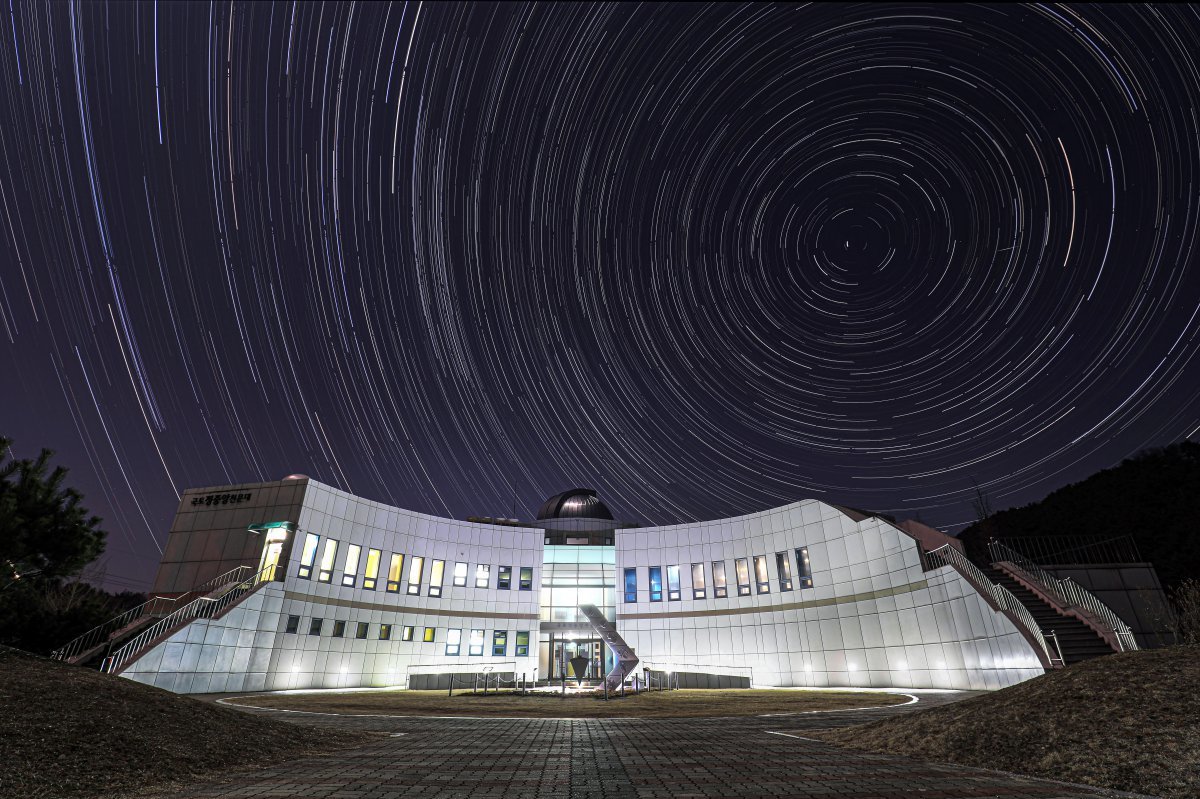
294	584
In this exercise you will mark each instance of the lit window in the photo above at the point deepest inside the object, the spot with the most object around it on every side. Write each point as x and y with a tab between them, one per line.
803	568
325	574
415	565
504	578
631	584
656	583
483	575
339	629
436	570
293	624
499	643
742	569
308	556
697	581
761	580
395	569
460	575
720	589
429	633
673	583
406	634
363	629
453	641
783	565
475	644
314	626
351	574
526	583
371	575
385	632
522	643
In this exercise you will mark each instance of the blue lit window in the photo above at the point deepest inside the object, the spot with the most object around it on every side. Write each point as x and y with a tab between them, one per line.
631	585
656	583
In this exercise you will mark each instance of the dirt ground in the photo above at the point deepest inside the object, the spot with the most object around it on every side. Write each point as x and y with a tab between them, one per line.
656	704
1129	721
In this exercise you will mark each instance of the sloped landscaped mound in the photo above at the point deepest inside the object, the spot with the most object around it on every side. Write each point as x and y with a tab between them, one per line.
1129	721
70	732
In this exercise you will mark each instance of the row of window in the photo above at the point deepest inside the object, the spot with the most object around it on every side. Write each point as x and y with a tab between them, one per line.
720	586
475	640
416	566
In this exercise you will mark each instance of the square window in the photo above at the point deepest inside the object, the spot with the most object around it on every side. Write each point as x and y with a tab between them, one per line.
499	643
293	624
522	643
363	628
385	632
429	633
339	629
314	626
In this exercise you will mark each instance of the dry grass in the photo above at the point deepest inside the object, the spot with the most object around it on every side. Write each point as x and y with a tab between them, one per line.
68	732
1128	721
657	704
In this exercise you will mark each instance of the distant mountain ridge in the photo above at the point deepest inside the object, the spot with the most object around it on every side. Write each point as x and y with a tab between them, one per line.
1153	496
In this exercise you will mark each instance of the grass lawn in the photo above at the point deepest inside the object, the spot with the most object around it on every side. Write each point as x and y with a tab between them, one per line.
657	704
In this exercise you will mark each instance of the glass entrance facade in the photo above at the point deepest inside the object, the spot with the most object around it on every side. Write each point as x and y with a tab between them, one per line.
573	576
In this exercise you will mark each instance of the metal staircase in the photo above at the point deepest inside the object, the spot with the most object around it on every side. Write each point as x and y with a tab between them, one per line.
204	607
92	647
626	659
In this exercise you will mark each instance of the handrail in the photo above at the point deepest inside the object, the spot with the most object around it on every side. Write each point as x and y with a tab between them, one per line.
201	607
1069	592
154	606
1001	596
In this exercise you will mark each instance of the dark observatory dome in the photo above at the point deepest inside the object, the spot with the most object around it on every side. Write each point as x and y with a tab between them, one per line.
576	503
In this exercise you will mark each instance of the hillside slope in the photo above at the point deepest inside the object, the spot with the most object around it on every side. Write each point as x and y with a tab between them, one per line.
1129	721
1152	496
69	732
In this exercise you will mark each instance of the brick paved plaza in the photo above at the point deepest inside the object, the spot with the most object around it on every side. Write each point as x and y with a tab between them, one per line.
589	759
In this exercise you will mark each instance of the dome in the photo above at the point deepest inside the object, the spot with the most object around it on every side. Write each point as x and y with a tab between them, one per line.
576	503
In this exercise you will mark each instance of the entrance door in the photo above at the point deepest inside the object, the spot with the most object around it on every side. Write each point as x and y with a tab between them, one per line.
564	650
272	552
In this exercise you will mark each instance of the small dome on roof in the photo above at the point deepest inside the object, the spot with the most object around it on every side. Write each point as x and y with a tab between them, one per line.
576	503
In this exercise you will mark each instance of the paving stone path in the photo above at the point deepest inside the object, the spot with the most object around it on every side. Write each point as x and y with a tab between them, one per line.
757	756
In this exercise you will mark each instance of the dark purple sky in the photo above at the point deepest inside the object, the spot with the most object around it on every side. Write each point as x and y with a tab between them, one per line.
705	259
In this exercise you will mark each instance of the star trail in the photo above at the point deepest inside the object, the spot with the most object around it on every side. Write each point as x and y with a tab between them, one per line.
708	259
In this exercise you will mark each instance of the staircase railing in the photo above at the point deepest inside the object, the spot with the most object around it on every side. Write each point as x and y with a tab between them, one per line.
1068	592
1000	596
200	608
155	606
626	659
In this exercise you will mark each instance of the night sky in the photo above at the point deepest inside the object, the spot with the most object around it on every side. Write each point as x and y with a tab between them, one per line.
707	259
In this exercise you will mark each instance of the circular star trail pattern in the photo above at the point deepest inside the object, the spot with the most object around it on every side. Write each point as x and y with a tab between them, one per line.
706	258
